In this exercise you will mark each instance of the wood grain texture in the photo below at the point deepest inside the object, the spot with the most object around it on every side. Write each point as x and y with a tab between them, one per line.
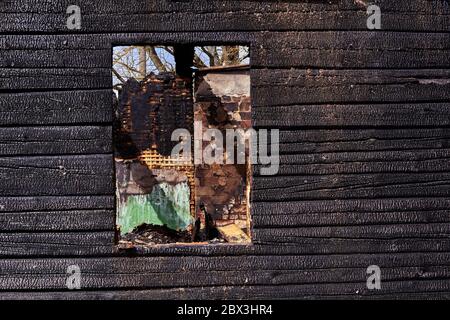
220	293
56	107
293	276
379	114
236	278
56	175
325	49
427	230
313	140
342	186
297	86
55	140
38	79
67	220
351	219
419	161
300	246
107	16
345	49
351	205
56	244
54	203
168	265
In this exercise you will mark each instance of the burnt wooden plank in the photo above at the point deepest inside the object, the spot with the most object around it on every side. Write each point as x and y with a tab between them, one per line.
388	231
138	273
301	245
220	6
362	218
93	280
67	220
55	140
57	243
222	15
214	293
349	218
70	78
312	140
349	291
298	86
352	50
402	161
342	115
103	42
274	247
341	186
328	49
56	107
168	265
85	58
54	203
274	86
57	175
351	205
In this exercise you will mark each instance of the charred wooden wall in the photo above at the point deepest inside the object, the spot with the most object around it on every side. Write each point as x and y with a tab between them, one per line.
365	140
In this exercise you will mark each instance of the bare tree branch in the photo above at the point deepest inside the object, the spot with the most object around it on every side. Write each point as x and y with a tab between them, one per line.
210	56
121	79
156	60
198	62
127	66
142	62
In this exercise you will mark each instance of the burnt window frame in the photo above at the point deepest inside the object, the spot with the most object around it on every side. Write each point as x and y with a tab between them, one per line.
188	247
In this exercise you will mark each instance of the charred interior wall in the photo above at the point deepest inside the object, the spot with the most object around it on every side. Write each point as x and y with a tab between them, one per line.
153	188
222	101
149	190
364	119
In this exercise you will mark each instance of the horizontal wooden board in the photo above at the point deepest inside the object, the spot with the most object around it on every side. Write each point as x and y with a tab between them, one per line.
221	293
67	220
349	219
221	278
222	15
55	203
274	86
102	42
56	107
351	205
387	50
57	175
298	86
220	6
169	265
55	140
301	245
404	161
55	58
347	115
34	79
57	244
327	49
341	186
322	275
310	140
388	231
70	107
35	246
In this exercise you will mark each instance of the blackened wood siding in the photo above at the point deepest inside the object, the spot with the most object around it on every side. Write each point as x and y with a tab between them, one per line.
365	150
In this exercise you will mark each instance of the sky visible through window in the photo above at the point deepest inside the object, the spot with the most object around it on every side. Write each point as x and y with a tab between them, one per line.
128	60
